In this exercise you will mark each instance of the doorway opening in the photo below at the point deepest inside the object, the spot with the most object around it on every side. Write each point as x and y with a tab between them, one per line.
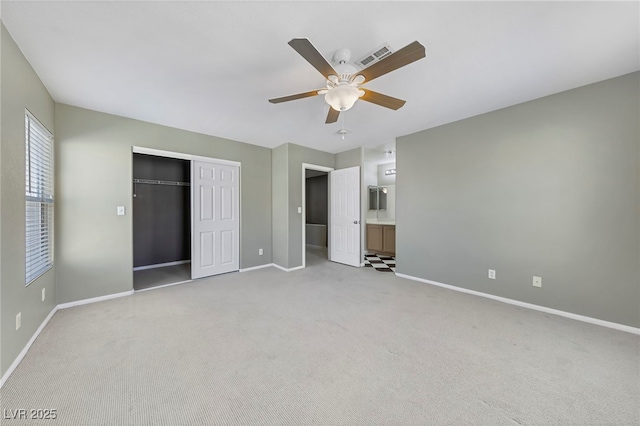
343	214
315	220
161	221
380	234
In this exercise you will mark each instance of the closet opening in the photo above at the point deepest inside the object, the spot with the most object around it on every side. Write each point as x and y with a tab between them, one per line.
161	221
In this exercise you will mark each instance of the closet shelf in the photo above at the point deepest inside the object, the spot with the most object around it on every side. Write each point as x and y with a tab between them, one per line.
161	182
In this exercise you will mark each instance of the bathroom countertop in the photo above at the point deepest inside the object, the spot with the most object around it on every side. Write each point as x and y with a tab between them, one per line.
381	221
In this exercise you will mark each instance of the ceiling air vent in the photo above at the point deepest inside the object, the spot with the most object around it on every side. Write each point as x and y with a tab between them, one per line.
373	57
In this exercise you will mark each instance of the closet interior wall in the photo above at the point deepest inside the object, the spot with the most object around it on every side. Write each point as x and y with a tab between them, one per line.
161	210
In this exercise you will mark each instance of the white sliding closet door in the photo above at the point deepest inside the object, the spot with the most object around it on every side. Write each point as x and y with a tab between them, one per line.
215	236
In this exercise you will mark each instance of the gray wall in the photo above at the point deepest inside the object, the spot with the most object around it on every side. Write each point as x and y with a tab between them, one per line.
550	187
351	158
21	88
280	206
94	157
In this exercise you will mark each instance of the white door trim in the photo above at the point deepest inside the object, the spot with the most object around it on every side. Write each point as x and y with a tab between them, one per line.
307	166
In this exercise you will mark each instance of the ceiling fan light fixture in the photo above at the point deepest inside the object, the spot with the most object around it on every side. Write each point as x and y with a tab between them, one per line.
342	97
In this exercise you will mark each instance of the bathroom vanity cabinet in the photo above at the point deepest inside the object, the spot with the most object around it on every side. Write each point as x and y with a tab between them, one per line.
381	238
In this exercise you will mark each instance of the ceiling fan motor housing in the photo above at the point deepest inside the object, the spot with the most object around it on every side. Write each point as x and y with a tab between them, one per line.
345	71
342	56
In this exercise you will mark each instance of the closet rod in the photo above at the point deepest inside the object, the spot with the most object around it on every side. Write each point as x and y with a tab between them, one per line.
161	182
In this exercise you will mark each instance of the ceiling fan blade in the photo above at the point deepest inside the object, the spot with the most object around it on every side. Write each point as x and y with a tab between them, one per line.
332	117
402	57
294	97
382	100
304	47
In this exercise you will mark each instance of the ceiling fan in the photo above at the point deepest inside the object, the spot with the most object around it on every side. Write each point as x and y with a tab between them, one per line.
343	81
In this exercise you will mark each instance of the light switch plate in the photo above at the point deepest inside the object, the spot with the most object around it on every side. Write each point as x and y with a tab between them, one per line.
120	210
492	274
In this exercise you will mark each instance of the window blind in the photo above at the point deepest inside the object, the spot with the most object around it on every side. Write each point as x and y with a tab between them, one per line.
39	198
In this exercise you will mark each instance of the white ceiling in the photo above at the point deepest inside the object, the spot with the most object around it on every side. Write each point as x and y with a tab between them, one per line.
210	67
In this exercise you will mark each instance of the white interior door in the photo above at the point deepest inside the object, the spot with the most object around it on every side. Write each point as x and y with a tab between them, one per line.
345	216
215	233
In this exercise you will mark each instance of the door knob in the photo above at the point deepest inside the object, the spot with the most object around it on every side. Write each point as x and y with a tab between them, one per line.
355	222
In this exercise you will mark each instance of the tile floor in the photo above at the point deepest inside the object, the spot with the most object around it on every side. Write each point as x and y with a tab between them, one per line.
380	263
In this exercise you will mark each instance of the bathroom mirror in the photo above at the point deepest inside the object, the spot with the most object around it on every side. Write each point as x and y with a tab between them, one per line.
377	197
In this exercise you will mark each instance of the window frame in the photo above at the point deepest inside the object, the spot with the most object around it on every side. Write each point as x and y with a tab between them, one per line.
39	199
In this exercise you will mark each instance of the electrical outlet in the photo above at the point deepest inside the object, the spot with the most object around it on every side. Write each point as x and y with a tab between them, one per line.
43	296
537	281
492	274
260	252
299	209
18	320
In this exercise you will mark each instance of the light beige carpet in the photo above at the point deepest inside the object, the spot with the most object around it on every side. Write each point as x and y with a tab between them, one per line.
326	345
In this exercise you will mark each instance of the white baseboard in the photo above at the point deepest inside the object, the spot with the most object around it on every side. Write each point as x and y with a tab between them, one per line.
577	317
275	265
161	265
24	351
253	268
94	299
